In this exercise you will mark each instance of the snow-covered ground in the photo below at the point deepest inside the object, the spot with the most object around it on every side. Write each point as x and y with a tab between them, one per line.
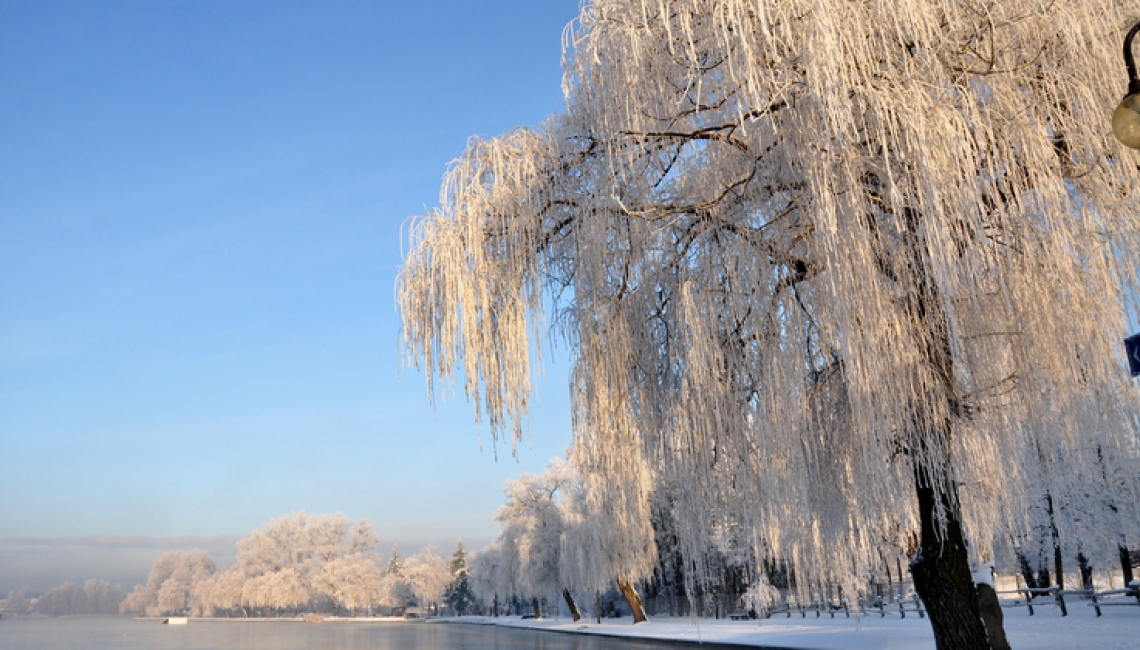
1117	629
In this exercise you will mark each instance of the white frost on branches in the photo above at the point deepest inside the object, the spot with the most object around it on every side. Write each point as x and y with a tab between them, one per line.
170	587
803	251
428	576
533	525
286	563
353	581
598	546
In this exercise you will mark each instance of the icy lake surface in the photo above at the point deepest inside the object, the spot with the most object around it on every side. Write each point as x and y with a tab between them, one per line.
132	634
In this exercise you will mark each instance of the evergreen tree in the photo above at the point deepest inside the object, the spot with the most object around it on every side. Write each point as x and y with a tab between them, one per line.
459	596
395	564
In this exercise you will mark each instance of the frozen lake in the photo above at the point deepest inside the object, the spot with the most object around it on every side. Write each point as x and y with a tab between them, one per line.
132	634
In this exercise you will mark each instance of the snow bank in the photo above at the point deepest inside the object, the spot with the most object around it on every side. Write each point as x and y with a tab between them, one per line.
1118	629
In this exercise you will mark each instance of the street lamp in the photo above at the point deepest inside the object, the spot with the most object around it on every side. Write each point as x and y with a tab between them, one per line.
1126	118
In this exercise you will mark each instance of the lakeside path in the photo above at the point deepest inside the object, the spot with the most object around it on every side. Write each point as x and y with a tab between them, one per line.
1118	629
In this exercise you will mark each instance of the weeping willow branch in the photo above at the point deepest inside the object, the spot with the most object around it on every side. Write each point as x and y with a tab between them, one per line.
809	255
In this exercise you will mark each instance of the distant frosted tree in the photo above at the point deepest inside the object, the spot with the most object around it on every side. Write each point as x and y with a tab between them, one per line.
20	600
257	592
324	534
491	576
282	559
64	600
291	587
364	581
222	590
276	559
351	581
94	597
851	272
174	596
228	589
600	548
533	525
336	536
395	590
284	589
102	597
428	575
137	600
171	584
282	542
362	539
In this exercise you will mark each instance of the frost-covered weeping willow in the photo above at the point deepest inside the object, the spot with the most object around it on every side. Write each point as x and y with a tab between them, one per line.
804	251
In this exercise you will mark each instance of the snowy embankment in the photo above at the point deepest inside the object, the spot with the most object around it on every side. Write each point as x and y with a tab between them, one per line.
1118	629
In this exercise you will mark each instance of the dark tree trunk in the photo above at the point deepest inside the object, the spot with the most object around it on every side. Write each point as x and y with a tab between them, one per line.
990	609
941	567
1086	571
633	599
1059	566
1058	562
941	570
1035	577
537	613
572	605
1126	564
598	607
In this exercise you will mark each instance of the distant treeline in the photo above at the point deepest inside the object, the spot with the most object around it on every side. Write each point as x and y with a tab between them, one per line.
303	562
93	597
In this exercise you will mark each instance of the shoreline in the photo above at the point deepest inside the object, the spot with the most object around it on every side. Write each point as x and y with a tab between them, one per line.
773	634
1117	630
583	629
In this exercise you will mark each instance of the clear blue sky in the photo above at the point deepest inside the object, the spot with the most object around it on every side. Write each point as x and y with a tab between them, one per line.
200	219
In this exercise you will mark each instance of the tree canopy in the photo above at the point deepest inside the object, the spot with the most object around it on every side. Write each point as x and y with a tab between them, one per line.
852	274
